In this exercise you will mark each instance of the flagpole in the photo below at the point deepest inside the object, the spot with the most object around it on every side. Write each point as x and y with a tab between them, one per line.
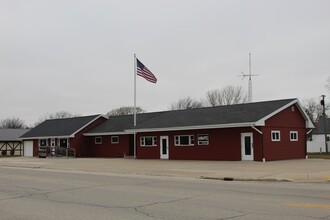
134	90
134	105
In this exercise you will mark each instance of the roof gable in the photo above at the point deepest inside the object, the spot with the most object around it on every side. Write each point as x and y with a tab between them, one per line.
309	123
66	127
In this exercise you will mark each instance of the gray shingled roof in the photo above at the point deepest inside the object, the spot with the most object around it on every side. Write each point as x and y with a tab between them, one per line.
221	115
11	134
115	124
319	129
59	127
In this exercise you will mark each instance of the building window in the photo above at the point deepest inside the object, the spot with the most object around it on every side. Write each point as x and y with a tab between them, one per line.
293	135
43	142
148	141
276	136
63	142
98	140
114	139
203	139
184	140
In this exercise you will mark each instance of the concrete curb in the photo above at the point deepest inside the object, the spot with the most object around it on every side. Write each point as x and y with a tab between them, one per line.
246	179
324	180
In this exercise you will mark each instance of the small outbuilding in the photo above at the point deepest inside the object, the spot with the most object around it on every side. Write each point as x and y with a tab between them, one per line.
10	143
320	136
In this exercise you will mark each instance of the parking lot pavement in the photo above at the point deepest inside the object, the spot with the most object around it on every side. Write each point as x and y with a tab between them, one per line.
311	170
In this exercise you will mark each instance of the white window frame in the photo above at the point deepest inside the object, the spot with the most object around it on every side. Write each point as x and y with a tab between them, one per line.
294	133
191	140
114	142
98	138
279	136
203	142
143	141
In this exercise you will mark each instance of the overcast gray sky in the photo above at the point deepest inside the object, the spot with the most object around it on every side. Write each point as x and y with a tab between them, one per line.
77	56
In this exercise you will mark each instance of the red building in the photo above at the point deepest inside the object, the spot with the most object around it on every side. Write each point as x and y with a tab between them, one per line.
66	133
261	131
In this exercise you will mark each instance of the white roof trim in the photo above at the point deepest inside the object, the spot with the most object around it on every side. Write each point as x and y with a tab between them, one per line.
44	137
309	123
107	133
132	131
234	125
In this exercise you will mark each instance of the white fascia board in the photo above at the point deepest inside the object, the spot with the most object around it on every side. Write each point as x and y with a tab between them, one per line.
309	123
43	137
107	133
199	127
72	135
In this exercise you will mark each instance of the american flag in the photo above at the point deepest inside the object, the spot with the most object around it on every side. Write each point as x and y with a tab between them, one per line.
143	71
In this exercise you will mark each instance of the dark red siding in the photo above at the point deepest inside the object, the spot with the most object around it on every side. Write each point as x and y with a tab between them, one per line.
35	147
257	145
108	149
148	152
80	142
287	120
224	144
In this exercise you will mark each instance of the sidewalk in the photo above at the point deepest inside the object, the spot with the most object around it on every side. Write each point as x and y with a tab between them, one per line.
312	170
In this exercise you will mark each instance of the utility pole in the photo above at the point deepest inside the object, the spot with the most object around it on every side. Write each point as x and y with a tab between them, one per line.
324	124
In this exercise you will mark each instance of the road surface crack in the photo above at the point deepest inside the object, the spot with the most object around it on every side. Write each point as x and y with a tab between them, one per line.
136	208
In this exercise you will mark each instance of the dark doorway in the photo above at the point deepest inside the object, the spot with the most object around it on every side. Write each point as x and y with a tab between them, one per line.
131	145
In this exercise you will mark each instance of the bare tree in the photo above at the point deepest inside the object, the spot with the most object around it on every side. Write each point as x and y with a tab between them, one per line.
16	123
61	114
186	103
228	95
128	110
313	109
56	115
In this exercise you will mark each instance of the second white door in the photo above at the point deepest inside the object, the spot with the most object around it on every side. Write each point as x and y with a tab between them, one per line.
164	149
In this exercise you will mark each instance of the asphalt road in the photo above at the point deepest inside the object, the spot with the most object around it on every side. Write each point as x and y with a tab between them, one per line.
45	194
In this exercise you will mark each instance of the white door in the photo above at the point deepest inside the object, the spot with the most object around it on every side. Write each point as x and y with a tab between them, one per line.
28	148
247	146
164	147
52	142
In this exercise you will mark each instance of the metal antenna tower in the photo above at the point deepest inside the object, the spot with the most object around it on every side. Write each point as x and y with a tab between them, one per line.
250	80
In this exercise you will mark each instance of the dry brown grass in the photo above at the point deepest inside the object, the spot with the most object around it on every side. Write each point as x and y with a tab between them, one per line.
319	156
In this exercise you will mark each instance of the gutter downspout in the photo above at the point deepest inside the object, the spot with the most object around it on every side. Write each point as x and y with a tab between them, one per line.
309	131
262	143
260	132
